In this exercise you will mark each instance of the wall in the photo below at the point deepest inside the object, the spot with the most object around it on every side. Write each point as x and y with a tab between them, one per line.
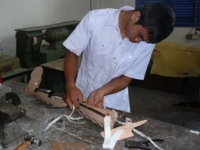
26	13
112	3
178	36
17	14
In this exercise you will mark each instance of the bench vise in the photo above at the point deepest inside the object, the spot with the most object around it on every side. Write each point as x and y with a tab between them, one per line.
10	131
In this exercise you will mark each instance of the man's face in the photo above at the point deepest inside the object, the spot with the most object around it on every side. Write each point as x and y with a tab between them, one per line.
135	32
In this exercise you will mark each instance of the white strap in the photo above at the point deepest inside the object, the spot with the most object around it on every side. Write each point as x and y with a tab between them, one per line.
107	131
110	141
115	138
69	118
129	122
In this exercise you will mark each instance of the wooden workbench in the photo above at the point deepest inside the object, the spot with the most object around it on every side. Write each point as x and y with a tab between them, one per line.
176	138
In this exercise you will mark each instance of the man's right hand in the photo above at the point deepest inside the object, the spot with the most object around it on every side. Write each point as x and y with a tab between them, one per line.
73	97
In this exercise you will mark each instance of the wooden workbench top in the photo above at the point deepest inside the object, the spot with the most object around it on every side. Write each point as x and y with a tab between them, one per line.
176	138
59	64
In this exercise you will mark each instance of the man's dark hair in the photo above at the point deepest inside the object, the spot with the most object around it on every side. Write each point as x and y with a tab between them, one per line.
158	18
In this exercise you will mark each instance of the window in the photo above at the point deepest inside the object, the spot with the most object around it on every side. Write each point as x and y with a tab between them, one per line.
186	11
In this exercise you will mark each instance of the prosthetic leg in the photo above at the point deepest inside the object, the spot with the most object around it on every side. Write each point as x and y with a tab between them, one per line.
94	114
46	96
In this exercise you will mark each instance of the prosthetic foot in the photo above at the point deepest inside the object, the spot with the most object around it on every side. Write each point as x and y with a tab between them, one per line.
35	80
47	96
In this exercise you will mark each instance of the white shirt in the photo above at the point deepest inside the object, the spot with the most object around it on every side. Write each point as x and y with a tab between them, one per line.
106	56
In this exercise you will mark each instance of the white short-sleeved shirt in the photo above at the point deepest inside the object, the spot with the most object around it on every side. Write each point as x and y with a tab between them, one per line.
106	56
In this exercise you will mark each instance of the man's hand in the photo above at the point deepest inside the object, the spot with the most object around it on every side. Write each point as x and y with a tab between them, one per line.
96	99
73	93
73	97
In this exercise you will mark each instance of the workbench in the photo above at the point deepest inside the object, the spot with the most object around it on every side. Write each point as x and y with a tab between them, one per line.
53	76
175	137
10	68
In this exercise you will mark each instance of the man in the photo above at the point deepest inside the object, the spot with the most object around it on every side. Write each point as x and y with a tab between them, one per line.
117	45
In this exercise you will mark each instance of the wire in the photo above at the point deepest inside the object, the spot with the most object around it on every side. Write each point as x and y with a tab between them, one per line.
69	118
129	122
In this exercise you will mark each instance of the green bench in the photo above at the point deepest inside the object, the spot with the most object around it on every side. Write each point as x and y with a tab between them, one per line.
16	73
10	68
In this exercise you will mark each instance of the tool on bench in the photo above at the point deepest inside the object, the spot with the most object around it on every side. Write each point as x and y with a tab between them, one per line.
12	98
30	139
140	144
10	112
10	131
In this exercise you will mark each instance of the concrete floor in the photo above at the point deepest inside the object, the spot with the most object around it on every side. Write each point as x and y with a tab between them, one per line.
159	105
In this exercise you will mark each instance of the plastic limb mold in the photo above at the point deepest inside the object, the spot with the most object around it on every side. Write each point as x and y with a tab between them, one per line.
47	96
97	115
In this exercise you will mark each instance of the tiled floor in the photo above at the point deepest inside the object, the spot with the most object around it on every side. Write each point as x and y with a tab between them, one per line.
158	104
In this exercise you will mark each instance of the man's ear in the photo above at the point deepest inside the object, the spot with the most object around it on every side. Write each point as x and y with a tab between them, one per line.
136	16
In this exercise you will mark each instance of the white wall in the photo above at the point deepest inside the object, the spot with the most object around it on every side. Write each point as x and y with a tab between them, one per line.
15	14
112	3
179	34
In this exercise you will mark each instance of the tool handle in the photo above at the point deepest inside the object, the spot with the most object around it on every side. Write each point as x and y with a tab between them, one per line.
23	145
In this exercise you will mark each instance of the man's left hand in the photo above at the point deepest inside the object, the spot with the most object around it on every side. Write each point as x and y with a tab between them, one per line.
96	99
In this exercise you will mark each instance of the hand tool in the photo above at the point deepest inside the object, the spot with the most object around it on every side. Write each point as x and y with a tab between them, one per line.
9	112
30	139
10	131
140	144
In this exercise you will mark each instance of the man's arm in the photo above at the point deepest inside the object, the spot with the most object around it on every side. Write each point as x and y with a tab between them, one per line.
70	69
96	97
116	85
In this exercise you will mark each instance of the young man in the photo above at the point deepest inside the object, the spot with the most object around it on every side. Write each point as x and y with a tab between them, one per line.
117	45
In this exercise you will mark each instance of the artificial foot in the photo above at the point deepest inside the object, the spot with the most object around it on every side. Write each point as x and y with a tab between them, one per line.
35	80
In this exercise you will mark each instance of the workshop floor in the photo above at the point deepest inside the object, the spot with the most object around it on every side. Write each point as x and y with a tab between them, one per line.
159	105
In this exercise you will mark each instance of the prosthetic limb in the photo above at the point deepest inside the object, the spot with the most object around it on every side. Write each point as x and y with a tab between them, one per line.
94	114
97	115
34	82
46	96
